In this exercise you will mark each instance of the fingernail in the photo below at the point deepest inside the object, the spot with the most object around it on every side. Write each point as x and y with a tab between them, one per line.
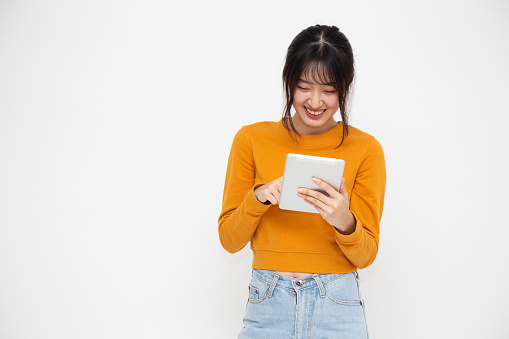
301	190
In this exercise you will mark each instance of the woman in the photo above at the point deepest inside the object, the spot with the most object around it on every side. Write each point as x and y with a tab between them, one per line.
304	282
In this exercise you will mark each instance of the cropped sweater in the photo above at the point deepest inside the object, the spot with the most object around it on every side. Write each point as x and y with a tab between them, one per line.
284	240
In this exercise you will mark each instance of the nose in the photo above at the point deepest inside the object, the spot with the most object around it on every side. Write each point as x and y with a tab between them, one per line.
315	101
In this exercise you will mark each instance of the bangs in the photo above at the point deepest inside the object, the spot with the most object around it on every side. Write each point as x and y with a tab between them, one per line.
319	73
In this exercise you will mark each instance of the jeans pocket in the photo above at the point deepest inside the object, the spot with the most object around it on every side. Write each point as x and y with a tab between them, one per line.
258	290
344	290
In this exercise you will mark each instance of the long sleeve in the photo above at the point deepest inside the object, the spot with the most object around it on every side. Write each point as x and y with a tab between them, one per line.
241	211
366	205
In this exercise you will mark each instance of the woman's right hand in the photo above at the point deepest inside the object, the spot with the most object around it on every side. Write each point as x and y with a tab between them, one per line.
269	192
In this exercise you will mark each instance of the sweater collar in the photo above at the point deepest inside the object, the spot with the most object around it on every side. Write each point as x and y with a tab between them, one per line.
331	137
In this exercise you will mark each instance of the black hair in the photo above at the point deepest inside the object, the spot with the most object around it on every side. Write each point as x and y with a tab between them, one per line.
326	54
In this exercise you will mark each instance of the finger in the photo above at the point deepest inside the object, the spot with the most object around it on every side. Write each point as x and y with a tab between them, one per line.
318	208
277	196
272	199
315	194
328	188
279	183
317	202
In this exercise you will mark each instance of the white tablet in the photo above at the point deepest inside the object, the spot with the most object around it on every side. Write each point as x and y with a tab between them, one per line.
299	171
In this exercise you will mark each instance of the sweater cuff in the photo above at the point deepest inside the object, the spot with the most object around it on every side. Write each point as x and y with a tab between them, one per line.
353	238
253	204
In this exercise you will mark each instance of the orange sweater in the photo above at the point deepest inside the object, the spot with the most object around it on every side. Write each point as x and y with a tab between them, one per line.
283	240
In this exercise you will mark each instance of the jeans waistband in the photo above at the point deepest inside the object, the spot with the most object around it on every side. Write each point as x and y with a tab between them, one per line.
271	277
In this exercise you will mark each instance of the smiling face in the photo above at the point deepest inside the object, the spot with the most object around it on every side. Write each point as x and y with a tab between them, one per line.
315	101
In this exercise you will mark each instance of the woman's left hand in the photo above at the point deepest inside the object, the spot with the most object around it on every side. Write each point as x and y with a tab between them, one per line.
335	209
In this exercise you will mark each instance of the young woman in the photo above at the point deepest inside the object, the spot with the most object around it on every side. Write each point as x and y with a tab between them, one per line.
304	279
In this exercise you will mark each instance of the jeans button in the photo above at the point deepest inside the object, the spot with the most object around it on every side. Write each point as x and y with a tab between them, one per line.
299	282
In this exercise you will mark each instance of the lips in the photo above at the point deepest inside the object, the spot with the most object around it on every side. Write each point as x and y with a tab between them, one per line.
314	114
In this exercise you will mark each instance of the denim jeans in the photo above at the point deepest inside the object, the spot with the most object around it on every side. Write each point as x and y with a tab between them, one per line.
315	306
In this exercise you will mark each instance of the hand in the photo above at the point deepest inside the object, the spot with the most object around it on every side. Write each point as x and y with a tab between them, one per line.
334	209
270	191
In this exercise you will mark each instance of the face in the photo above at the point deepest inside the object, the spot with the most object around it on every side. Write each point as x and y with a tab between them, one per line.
315	105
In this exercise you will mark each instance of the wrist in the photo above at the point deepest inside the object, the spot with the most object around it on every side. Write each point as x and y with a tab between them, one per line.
348	226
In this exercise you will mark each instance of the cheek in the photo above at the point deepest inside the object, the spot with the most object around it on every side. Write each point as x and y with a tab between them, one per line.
332	102
298	97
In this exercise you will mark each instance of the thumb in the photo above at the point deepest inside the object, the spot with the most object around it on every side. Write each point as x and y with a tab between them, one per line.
342	188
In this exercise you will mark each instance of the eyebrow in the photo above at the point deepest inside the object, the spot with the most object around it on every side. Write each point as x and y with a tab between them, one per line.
311	83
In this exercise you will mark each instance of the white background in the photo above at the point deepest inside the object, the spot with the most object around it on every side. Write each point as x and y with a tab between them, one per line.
116	120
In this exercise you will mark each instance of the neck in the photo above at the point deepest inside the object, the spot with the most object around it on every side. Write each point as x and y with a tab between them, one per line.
302	128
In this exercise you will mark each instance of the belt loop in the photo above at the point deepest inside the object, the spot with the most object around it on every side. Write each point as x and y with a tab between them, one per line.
272	285
357	278
320	285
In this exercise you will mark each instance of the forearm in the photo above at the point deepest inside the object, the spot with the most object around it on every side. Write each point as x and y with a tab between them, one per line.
366	206
237	226
360	246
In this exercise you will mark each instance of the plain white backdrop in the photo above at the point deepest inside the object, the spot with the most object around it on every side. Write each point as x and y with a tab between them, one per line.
116	120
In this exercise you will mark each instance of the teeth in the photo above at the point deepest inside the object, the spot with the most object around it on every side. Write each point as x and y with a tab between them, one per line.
315	112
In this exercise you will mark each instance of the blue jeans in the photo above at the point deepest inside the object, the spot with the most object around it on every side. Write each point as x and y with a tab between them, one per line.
315	306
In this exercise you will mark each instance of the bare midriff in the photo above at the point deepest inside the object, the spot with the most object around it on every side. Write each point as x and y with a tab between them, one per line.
293	274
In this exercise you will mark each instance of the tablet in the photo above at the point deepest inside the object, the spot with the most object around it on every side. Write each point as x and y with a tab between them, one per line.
299	171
